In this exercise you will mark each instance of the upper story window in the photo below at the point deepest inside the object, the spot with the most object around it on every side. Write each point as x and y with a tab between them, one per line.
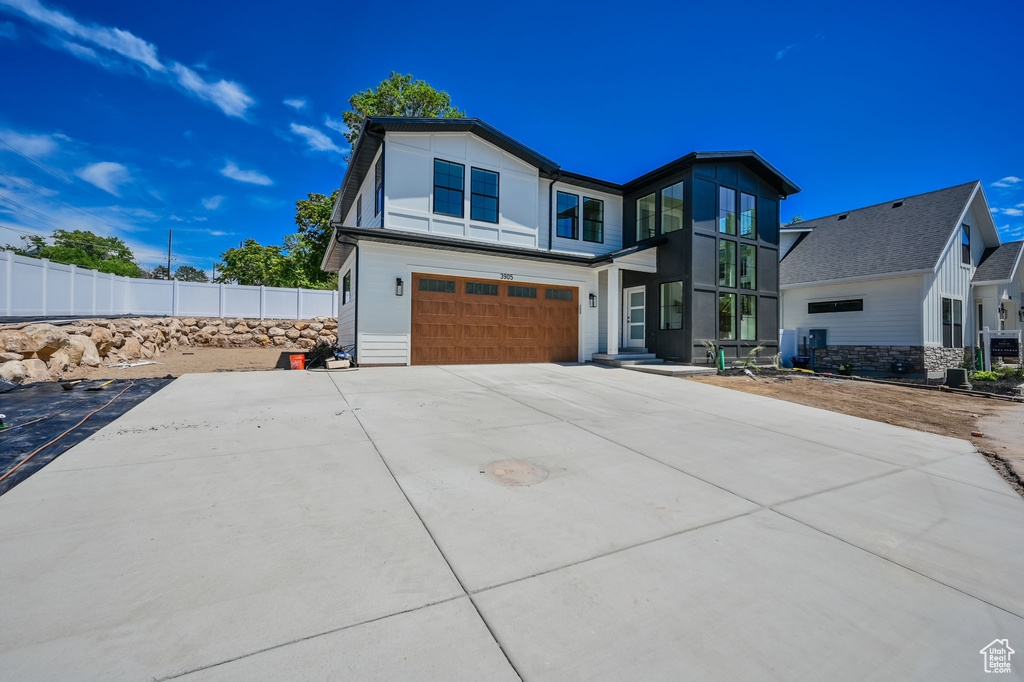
359	211
726	263
483	199
748	266
346	288
593	220
568	216
672	208
965	244
645	217
378	186
748	215
726	210
449	188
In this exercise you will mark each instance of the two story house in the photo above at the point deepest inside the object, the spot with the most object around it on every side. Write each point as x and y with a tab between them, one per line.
906	284
455	243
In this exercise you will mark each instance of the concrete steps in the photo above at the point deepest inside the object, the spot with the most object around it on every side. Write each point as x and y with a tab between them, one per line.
627	359
674	370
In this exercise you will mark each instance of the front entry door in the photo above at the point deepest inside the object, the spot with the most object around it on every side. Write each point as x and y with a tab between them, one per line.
634	312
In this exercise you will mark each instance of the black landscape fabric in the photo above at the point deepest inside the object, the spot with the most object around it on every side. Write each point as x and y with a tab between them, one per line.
38	413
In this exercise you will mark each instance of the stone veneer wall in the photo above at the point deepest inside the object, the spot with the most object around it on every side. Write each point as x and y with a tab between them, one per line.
937	358
919	359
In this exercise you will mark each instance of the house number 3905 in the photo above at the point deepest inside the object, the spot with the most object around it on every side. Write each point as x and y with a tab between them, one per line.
506	275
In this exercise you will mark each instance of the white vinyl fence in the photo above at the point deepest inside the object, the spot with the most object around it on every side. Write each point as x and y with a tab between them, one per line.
35	287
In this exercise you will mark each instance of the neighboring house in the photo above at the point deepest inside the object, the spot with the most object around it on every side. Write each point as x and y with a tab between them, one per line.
455	243
907	281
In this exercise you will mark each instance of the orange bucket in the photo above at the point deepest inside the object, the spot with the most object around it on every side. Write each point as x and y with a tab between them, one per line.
298	361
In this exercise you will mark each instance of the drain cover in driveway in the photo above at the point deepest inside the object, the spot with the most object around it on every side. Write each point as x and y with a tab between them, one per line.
514	472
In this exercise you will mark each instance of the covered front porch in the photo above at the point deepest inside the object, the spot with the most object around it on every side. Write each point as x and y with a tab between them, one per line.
623	311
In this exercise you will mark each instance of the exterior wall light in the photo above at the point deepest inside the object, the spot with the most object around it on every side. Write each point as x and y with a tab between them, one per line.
593	301
1002	312
399	286
1020	313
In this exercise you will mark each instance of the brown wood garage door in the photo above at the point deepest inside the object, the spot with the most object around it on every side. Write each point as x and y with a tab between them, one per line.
461	320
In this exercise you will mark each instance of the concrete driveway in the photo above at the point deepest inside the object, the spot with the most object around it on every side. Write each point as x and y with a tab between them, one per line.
365	525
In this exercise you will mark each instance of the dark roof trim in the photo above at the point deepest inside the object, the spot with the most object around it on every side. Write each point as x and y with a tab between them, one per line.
577	180
358	166
785	186
345	235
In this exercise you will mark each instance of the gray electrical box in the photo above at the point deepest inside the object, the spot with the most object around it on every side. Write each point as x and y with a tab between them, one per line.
819	338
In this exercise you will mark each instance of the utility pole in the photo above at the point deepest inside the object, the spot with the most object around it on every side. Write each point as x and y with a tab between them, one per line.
169	254
214	273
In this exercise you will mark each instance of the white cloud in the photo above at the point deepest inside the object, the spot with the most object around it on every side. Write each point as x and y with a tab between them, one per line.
296	103
107	175
30	145
7	30
213	203
784	51
1008	181
176	219
230	97
231	170
1013	211
1021	205
335	125
316	140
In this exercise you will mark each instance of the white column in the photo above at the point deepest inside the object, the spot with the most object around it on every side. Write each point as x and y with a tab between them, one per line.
612	309
9	295
263	305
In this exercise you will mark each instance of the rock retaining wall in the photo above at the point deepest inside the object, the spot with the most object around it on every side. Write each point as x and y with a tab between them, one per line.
43	352
917	359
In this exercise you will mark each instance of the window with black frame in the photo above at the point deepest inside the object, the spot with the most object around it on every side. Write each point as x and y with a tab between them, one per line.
359	211
672	305
346	288
449	188
952	323
726	263
727	317
672	208
593	220
965	244
483	199
726	210
748	216
645	217
378	186
568	216
748	318
748	266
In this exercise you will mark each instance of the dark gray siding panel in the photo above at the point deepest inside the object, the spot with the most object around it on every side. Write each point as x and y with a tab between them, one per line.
705	315
768	319
768	270
705	260
704	205
768	220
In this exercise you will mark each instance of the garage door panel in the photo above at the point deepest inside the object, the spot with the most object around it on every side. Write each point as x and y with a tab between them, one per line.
463	320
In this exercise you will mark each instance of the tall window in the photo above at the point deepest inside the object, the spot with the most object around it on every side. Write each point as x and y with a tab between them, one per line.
346	288
645	217
568	216
378	186
593	220
449	188
726	263
727	317
952	323
726	210
748	216
672	305
483	198
965	244
748	318
748	266
672	208
359	211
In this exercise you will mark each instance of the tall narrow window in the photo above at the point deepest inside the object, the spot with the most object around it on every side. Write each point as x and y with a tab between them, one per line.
593	220
748	216
378	186
359	211
346	288
727	317
726	263
568	216
958	323
672	208
965	244
645	217
952	323
449	188
672	305
748	318
726	210
748	266
483	198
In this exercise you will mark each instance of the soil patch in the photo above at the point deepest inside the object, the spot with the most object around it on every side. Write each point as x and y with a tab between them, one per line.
189	361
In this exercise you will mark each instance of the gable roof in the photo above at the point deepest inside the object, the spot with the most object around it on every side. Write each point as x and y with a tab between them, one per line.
894	238
999	263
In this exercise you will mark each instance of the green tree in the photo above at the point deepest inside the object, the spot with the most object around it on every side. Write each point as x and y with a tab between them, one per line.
83	248
160	272
397	96
307	248
187	273
252	264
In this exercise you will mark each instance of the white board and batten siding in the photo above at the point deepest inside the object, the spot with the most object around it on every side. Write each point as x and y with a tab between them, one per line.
385	319
368	197
952	279
891	315
409	188
347	310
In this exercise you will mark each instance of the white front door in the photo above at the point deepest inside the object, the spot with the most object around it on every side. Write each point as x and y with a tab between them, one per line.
634	315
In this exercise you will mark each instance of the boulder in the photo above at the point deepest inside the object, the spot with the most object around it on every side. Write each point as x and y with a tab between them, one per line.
252	324
118	340
210	329
148	350
13	341
103	340
284	324
241	329
14	371
309	334
278	341
37	370
9	357
261	339
49	341
189	321
331	324
202	338
59	361
316	326
275	331
86	350
131	348
292	334
306	343
300	325
226	330
220	341
239	339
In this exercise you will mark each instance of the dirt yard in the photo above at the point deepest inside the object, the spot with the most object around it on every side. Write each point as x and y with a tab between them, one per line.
946	414
190	361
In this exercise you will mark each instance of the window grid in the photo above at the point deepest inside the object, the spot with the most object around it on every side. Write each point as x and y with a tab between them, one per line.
952	323
449	188
727	210
748	216
853	305
727	263
568	216
748	318
444	286
727	317
558	294
672	305
748	266
481	288
378	184
346	288
645	217
593	220
483	199
965	244
516	291
672	208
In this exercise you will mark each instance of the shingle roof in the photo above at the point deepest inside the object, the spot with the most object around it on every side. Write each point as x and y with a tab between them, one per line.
999	262
877	240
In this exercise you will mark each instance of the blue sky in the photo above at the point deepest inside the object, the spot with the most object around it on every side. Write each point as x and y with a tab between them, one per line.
212	118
